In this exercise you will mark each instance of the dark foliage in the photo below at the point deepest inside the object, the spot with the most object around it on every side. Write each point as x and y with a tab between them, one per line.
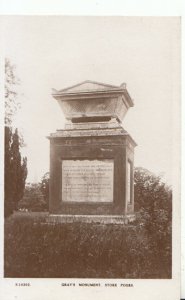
15	171
15	166
36	249
150	192
45	188
36	196
153	200
142	249
33	199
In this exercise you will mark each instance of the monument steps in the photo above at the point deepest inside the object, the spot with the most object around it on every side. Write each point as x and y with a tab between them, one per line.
97	219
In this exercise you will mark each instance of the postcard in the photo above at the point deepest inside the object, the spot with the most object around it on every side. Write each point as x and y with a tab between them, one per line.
91	168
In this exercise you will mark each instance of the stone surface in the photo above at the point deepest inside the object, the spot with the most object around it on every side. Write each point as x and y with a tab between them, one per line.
117	148
93	219
92	159
92	99
90	132
113	123
87	180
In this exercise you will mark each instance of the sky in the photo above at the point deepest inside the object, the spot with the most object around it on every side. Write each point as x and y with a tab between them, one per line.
57	52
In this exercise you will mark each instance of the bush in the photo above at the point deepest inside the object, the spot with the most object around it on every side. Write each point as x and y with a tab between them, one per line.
33	199
36	249
153	200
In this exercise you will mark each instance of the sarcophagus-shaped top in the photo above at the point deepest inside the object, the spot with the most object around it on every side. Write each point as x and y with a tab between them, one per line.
93	101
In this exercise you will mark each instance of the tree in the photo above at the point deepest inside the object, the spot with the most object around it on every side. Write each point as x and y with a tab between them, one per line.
33	199
11	92
151	194
8	203
15	171
45	188
15	165
19	169
153	202
36	195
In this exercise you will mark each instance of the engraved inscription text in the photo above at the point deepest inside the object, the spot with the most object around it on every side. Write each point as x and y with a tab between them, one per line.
87	180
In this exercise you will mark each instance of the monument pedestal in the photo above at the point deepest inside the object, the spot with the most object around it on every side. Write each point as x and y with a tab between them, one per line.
91	172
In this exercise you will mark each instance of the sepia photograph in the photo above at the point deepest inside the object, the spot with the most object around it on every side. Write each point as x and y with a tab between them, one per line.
89	144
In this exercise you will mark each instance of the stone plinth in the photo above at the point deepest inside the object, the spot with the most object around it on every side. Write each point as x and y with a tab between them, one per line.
91	172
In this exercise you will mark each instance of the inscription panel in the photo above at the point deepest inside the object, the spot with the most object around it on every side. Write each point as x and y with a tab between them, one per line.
87	180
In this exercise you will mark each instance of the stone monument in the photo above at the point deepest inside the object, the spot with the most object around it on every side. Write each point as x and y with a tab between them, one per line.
92	159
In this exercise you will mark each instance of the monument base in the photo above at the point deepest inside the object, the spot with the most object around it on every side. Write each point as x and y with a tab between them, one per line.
91	172
97	219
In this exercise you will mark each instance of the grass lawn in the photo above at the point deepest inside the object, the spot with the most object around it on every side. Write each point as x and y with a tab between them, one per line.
35	249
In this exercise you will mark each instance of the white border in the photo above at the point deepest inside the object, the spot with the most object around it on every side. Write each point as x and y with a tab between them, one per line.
92	7
97	7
